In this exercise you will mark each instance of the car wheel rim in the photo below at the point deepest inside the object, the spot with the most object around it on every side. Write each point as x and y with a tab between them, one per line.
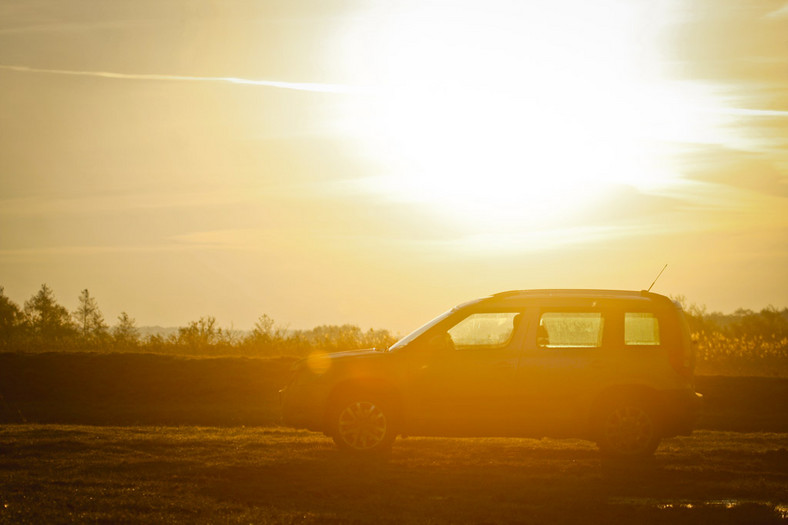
362	425
629	430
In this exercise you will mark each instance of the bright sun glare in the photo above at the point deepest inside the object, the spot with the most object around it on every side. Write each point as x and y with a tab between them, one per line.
516	110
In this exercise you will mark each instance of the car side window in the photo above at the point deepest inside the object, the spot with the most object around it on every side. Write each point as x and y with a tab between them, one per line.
570	330
641	329
485	330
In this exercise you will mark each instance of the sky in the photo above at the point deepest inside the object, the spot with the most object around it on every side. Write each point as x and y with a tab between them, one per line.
375	163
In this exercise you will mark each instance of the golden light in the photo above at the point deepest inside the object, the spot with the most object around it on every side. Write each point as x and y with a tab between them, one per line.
517	111
318	362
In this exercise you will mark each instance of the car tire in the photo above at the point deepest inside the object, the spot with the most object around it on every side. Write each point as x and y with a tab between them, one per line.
362	425
627	429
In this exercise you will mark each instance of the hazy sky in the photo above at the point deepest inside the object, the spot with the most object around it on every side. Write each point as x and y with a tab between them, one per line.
353	162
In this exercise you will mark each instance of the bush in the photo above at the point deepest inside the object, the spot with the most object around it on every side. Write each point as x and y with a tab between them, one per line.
742	343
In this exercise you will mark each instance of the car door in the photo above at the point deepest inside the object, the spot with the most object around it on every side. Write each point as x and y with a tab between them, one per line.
564	364
462	376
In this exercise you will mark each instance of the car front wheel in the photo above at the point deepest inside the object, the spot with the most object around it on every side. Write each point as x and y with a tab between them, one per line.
362	425
628	430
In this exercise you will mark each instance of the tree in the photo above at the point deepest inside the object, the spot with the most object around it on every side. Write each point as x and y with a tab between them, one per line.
125	333
265	331
10	319
199	334
48	320
90	321
266	336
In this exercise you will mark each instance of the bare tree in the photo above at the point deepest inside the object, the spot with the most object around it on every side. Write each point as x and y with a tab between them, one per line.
89	319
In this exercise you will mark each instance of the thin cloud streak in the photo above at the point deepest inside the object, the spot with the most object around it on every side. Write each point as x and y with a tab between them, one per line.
746	112
17	253
36	206
313	87
782	12
534	241
293	86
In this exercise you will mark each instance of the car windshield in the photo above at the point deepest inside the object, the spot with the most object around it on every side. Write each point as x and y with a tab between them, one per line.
413	335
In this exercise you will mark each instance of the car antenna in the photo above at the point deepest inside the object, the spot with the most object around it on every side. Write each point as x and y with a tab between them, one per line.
657	277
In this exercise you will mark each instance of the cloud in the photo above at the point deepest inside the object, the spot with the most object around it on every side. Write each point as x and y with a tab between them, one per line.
232	239
542	240
748	112
92	203
293	86
499	243
737	169
13	254
624	204
782	12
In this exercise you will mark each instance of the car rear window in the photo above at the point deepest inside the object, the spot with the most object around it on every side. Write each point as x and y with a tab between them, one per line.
570	330
641	329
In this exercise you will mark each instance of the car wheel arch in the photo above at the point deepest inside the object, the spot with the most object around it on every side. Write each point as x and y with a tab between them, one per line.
649	397
374	388
626	422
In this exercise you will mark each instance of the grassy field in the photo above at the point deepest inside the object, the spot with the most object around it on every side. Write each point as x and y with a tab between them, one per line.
142	438
60	474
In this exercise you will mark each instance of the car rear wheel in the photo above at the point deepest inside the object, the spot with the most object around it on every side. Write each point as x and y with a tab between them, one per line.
628	430
362	425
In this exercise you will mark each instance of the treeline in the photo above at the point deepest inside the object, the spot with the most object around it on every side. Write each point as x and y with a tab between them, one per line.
43	325
744	342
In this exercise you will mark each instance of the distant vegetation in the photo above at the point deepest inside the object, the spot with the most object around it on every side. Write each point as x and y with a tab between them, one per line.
43	325
742	343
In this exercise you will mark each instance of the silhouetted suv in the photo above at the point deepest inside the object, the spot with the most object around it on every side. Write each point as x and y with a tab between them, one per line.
615	367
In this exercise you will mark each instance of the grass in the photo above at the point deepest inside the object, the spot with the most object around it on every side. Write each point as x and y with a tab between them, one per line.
63	461
62	474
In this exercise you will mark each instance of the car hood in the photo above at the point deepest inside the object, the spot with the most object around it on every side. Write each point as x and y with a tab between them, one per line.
353	353
341	362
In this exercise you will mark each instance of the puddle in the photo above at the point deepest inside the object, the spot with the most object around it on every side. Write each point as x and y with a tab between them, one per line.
724	503
780	509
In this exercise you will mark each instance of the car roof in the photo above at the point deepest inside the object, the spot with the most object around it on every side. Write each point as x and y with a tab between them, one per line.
574	293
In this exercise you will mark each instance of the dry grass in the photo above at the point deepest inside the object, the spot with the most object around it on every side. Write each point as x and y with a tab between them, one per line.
60	474
745	355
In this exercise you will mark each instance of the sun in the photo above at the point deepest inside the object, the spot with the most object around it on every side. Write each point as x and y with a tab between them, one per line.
512	112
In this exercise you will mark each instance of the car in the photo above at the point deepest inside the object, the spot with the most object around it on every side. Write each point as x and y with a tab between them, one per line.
615	367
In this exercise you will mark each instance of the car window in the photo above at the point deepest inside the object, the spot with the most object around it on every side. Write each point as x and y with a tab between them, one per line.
485	330
570	330
641	328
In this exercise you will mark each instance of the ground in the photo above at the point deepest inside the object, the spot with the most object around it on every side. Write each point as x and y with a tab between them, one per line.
144	474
